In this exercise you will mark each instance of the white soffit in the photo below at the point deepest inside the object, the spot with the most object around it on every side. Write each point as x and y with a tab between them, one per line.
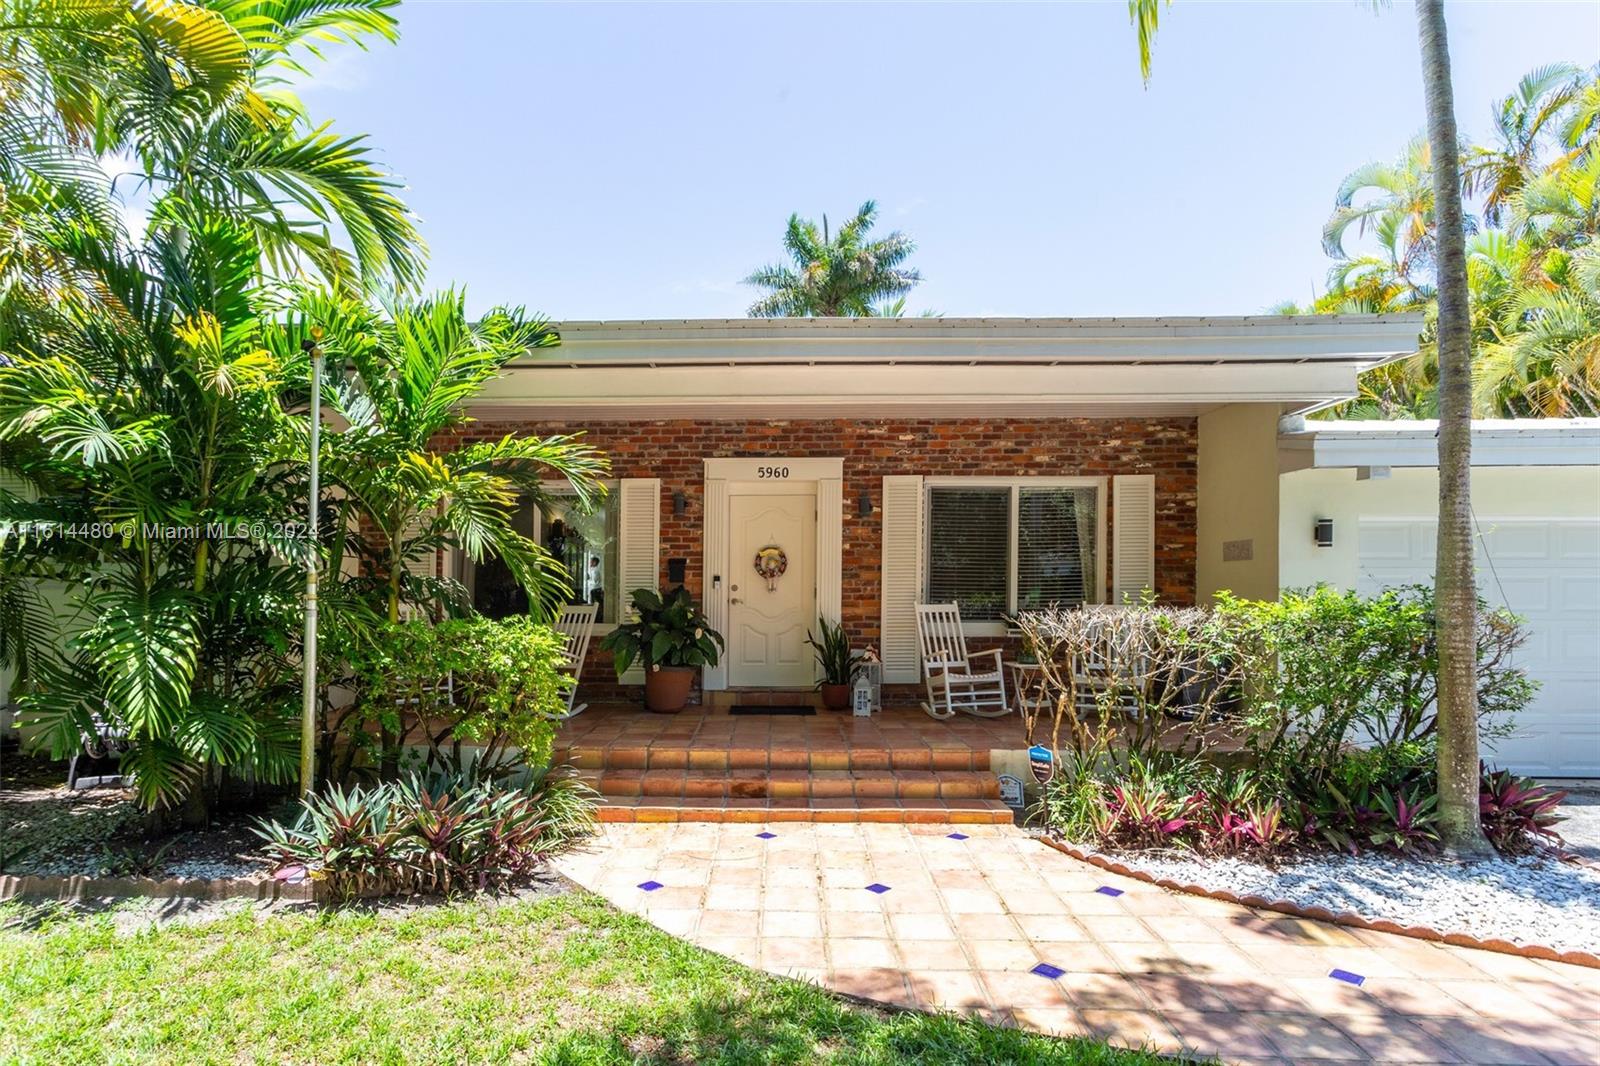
1495	442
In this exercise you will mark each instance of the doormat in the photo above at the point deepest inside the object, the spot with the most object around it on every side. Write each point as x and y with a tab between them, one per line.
776	708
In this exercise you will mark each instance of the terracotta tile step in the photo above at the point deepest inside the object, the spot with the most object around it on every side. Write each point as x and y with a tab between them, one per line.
921	812
677	755
796	784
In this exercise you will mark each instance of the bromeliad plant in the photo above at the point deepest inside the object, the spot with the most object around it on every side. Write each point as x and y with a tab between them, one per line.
1518	813
670	632
439	834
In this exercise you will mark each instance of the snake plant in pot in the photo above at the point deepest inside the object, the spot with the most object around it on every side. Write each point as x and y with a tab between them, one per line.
840	665
671	638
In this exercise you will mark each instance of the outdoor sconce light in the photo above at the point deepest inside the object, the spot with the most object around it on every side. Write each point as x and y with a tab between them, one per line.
864	504
1323	531
680	502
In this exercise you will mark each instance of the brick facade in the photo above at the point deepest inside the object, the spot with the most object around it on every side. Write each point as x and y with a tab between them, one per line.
674	451
1045	447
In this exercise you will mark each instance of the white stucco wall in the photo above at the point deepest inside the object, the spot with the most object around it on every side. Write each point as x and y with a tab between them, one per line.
1307	495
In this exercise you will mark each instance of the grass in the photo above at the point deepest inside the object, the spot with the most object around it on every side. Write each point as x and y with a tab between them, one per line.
558	980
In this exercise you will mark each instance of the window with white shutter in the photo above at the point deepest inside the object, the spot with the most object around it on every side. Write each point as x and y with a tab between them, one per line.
1001	545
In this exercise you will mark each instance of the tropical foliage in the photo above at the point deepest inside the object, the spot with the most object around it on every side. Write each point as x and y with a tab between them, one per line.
836	275
153	405
1338	744
1533	262
430	834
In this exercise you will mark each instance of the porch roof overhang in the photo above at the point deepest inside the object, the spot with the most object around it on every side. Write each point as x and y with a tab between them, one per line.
951	367
1360	444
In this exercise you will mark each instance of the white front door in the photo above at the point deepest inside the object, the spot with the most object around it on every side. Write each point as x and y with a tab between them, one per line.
767	620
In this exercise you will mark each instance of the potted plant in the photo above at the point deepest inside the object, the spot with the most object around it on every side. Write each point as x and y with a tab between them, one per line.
672	639
840	665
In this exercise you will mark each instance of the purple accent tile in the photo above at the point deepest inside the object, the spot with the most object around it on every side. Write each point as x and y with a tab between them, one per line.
1044	969
650	886
879	889
766	835
1347	977
956	836
1107	890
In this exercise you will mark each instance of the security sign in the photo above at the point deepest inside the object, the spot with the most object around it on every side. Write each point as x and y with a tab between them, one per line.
1043	763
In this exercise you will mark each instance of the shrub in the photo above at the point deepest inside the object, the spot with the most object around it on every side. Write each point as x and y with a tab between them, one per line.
1517	812
1350	668
423	835
493	685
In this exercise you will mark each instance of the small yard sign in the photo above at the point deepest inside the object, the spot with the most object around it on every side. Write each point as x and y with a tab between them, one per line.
1011	791
1043	763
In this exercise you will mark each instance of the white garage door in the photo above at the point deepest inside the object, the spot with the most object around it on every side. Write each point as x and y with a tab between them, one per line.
1547	571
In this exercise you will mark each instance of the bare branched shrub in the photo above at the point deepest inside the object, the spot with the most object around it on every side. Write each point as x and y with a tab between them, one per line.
1134	679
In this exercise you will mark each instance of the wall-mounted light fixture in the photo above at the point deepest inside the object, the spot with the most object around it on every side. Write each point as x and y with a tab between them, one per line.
1323	532
864	504
680	502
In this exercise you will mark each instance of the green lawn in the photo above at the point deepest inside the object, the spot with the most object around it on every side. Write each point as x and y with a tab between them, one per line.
563	979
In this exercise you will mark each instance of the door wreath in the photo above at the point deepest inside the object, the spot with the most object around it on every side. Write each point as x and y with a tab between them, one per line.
771	562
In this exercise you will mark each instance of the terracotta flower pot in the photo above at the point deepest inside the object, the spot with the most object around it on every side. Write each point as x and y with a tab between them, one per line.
667	690
836	697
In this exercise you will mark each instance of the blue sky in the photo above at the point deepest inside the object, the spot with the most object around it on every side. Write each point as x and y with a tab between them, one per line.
618	161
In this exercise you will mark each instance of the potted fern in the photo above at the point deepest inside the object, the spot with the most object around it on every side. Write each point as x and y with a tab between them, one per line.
840	665
672	639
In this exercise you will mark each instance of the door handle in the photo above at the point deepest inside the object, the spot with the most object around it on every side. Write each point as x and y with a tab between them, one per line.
735	599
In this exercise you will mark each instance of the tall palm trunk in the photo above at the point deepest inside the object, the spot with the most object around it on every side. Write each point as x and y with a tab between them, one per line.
1456	595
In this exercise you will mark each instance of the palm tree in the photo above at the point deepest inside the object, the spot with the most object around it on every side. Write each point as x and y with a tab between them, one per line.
1522	121
148	420
841	276
1454	579
1394	201
195	97
398	475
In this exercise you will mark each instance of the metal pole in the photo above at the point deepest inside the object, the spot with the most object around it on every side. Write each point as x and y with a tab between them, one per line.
308	693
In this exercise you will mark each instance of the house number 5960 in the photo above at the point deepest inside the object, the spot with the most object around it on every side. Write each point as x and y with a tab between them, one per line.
772	471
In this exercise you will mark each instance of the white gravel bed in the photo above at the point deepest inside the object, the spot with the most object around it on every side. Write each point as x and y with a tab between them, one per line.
1526	900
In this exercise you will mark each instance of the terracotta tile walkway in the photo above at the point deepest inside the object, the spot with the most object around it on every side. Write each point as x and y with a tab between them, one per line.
963	922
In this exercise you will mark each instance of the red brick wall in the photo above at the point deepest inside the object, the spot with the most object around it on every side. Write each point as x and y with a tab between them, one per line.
1043	447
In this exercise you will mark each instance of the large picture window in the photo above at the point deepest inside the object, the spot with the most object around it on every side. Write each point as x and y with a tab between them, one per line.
1001	546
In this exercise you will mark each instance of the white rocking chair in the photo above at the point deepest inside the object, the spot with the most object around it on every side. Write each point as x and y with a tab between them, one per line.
947	668
576	624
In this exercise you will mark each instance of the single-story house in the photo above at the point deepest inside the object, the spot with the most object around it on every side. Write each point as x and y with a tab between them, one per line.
1373	487
998	462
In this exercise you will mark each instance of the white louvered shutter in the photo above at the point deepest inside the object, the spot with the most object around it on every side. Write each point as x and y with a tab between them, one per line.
901	578
1133	536
638	547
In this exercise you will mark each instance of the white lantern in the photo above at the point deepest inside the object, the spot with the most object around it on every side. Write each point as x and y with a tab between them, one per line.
861	696
871	675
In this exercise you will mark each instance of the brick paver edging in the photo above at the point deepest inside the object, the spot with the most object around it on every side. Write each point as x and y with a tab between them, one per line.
78	886
1323	914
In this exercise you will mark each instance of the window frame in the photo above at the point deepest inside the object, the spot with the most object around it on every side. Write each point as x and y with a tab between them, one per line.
1101	486
562	487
